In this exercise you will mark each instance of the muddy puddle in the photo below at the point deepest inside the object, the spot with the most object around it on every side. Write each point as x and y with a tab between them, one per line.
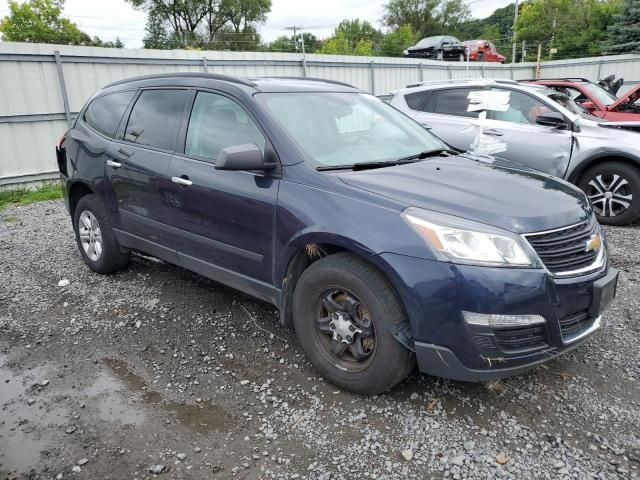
25	414
124	397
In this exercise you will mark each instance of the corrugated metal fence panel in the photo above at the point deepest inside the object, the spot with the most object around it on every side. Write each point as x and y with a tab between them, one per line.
28	148
32	113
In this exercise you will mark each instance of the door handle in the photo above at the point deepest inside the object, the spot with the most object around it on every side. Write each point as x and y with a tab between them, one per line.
185	182
113	164
494	132
124	153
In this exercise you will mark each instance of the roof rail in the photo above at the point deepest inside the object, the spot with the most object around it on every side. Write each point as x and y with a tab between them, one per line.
463	80
212	76
311	79
568	79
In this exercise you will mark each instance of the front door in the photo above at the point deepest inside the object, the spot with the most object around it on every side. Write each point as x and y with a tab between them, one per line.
140	164
225	219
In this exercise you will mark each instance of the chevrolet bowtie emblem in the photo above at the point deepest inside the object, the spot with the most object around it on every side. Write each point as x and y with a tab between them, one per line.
594	243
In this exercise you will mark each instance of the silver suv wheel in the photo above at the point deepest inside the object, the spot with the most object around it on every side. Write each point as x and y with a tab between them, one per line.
610	195
90	235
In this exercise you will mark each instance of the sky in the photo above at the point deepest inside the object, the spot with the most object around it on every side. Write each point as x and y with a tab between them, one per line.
109	19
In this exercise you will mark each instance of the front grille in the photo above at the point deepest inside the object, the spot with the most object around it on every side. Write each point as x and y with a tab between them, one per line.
565	250
574	324
521	339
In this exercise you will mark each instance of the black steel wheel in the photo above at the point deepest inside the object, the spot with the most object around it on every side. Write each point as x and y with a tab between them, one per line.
345	313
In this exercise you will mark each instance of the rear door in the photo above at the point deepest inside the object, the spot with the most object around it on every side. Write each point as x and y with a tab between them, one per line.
141	157
225	219
445	113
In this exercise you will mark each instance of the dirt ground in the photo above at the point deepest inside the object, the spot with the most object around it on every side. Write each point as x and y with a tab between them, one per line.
158	372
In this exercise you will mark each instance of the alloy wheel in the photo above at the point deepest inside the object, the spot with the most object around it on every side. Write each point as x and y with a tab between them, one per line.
345	330
610	194
90	235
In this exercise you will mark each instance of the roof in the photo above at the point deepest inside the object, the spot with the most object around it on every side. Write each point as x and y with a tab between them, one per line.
463	81
263	84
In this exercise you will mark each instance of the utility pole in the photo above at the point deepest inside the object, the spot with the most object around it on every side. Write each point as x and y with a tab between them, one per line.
524	51
295	41
513	35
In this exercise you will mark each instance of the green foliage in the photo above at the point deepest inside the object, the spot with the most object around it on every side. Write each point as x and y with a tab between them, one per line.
397	41
623	36
576	28
40	21
427	17
286	43
203	24
24	196
352	37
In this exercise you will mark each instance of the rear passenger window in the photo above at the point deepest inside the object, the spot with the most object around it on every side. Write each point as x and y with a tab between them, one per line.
416	99
155	118
217	122
104	113
454	101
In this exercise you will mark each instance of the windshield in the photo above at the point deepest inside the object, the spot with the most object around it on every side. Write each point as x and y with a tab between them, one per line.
429	41
333	129
600	94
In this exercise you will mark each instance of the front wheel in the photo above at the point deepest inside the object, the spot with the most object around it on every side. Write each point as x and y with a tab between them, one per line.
344	313
614	191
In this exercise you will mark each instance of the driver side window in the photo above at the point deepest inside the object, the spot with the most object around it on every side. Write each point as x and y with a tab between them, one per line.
522	109
218	122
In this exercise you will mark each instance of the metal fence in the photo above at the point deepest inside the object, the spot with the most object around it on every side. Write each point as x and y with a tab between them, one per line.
42	87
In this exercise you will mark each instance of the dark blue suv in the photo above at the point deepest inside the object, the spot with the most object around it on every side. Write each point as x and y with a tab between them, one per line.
380	245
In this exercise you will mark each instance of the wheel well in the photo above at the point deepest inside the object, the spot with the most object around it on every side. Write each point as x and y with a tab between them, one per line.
76	192
576	174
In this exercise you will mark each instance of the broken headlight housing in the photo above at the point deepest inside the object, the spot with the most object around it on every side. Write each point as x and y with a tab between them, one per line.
459	240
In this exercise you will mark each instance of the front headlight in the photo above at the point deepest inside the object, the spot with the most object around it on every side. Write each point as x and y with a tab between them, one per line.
464	241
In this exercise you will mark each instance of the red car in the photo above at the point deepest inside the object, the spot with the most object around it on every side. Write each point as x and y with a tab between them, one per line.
483	51
597	100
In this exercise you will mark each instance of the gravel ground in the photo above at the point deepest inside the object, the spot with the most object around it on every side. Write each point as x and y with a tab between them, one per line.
156	368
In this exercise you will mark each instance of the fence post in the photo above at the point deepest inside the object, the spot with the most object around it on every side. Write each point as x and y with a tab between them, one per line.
449	71
304	65
205	67
421	74
599	70
372	78
63	87
482	70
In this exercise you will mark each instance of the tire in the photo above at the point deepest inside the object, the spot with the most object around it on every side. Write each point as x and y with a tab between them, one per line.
112	257
387	362
614	191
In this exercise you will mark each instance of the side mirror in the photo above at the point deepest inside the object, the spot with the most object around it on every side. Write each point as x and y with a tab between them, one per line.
551	119
242	157
590	106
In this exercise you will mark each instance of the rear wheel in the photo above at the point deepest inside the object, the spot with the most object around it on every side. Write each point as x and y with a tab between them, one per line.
94	234
344	312
614	191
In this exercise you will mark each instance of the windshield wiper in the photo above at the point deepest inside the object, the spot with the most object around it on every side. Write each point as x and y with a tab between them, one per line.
387	163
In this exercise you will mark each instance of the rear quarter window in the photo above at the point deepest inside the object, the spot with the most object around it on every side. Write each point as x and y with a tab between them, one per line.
104	113
416	99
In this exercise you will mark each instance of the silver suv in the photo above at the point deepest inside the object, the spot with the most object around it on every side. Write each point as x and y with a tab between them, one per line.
530	125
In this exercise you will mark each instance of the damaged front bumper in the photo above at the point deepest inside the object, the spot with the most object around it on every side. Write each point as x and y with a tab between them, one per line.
439	296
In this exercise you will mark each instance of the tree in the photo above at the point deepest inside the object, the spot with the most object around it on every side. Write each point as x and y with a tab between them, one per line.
623	36
353	37
40	21
286	43
227	24
427	17
576	28
397	41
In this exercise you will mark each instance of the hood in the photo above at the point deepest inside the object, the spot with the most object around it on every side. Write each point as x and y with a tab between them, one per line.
628	97
493	192
626	125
